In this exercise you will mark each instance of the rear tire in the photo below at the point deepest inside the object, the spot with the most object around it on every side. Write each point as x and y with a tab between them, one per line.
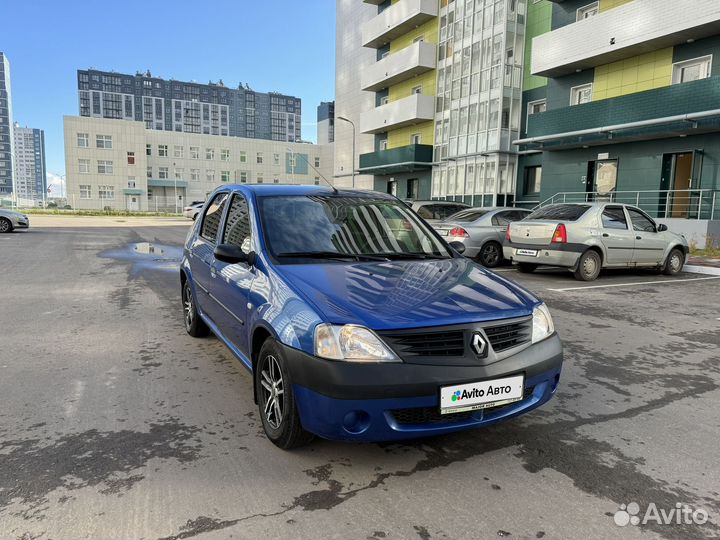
490	255
194	325
527	268
276	400
674	262
589	265
5	225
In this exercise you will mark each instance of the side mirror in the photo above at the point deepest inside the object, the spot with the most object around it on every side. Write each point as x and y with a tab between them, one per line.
458	246
233	254
662	227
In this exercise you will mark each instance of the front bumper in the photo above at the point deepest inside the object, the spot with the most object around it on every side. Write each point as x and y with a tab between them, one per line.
381	402
22	224
565	255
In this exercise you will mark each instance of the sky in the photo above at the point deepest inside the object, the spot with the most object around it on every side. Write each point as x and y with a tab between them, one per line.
285	46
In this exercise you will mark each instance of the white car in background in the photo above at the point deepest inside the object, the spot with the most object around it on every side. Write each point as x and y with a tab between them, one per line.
191	211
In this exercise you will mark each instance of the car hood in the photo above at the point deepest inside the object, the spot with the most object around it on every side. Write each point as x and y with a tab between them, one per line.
11	214
407	294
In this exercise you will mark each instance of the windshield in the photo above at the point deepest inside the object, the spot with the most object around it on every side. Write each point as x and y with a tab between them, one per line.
340	226
467	215
560	212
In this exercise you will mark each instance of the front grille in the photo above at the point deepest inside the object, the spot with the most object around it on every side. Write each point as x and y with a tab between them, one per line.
428	344
507	336
431	415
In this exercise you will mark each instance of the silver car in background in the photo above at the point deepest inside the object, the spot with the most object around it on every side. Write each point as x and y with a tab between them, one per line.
9	220
586	237
432	211
482	230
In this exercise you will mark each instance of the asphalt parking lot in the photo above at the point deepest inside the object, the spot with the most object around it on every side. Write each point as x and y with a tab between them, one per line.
116	424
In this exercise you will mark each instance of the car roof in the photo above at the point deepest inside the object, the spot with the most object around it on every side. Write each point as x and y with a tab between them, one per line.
268	190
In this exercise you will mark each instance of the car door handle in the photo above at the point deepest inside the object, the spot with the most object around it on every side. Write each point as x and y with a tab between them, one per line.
638	238
605	235
213	273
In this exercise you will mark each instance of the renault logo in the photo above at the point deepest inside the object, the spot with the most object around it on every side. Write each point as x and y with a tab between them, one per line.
478	344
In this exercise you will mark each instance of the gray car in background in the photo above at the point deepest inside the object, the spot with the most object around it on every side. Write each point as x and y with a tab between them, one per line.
10	220
586	237
482	230
432	211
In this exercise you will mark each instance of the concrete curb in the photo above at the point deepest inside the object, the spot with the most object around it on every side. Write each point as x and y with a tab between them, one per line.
709	270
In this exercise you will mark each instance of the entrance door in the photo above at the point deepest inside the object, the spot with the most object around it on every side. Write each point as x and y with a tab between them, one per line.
606	179
681	184
133	204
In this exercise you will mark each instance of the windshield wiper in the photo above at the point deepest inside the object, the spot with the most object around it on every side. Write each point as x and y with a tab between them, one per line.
330	255
411	255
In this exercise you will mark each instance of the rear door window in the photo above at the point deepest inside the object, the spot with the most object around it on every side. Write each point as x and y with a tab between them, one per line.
212	217
502	219
237	227
613	217
560	212
446	210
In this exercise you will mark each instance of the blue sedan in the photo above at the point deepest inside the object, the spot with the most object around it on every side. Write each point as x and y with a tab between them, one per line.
357	321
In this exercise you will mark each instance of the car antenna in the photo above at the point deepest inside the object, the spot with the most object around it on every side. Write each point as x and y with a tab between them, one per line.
314	169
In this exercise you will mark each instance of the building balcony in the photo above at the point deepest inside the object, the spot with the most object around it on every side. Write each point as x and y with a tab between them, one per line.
678	110
400	66
403	112
623	32
414	157
397	20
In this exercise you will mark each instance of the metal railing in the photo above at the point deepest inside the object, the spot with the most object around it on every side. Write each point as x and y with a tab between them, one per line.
662	204
118	202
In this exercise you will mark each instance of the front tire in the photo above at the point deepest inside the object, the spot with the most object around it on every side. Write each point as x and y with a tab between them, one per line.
194	325
589	265
490	254
5	225
674	262
276	399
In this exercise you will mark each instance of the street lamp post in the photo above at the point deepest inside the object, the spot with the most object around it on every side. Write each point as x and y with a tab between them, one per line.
353	145
175	185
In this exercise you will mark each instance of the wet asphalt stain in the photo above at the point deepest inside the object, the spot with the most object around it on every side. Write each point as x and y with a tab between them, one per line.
422	532
706	337
200	525
30	469
143	256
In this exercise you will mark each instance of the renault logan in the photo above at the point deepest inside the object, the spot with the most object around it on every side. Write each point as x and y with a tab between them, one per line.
357	321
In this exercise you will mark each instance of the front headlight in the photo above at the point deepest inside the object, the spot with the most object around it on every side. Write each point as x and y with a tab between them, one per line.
351	343
543	326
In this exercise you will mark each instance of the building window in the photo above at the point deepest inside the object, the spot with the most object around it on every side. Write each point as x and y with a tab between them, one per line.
692	70
415	138
131	182
536	107
588	11
162	150
259	179
210	175
163	173
106	192
581	94
83	141
148	150
209	153
178	151
103	141
224	176
243	157
383	144
194	152
276	159
131	158
195	175
260	157
243	177
533	179
149	172
84	166
417	89
317	161
276	178
179	172
384	100
105	167
85	191
224	154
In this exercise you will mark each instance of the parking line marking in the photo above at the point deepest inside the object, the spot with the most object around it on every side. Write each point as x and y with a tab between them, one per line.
635	283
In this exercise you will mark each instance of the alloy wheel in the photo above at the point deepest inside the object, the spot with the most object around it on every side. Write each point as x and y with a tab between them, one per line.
490	255
273	391
4	225
188	306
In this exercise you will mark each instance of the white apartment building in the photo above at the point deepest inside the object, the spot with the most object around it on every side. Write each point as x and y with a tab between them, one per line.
122	165
30	170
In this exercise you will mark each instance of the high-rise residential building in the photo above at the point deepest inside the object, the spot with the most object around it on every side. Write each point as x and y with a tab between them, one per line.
189	107
7	143
445	95
121	164
30	171
622	101
326	122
